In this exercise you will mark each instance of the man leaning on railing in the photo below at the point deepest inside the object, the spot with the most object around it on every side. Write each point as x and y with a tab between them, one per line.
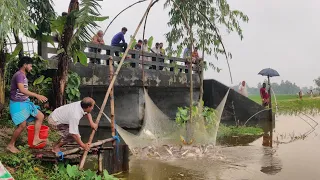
97	39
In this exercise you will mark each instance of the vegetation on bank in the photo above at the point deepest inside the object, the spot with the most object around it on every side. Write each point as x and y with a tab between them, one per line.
210	117
291	104
230	131
22	166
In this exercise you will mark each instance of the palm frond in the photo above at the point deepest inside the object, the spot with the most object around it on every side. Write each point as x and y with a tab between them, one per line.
85	24
13	15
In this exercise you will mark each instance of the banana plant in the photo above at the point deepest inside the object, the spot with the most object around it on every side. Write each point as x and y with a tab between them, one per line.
73	32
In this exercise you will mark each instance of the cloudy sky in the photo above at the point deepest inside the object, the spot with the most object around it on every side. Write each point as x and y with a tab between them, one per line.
281	34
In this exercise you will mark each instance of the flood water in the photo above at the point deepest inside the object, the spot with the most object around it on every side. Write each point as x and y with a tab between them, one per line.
296	155
292	157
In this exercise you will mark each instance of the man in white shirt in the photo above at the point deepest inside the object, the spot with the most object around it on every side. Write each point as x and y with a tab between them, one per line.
65	120
243	89
156	49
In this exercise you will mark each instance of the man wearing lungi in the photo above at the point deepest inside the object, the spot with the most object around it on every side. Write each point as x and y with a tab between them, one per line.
65	120
22	110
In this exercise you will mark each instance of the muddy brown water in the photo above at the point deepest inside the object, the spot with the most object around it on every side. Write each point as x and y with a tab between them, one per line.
295	155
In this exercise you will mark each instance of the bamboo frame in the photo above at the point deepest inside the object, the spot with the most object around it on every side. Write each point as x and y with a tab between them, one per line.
111	71
111	84
75	150
270	113
100	160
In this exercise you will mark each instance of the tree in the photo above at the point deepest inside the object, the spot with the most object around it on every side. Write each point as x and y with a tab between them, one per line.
41	13
14	17
203	15
317	81
73	31
200	29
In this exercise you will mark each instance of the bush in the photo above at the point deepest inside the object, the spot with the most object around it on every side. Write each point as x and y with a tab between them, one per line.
209	115
27	168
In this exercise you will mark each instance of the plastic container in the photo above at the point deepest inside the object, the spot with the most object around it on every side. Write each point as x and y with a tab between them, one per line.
44	133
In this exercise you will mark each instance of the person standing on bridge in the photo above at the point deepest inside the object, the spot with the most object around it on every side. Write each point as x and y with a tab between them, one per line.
156	49
119	41
66	120
138	46
162	51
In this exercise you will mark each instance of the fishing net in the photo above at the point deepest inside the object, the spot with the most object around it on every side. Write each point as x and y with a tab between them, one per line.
158	129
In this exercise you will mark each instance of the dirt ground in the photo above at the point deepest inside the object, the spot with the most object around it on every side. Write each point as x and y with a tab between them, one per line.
5	136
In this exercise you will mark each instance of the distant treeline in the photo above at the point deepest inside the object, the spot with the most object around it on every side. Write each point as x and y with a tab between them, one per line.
285	87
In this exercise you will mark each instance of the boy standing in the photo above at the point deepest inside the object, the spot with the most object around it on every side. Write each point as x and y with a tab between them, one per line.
22	110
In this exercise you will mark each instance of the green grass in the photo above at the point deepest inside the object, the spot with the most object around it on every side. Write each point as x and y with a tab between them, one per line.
284	97
291	104
227	131
23	166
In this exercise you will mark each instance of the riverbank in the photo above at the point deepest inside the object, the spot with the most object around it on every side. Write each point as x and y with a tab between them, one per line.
292	104
234	136
22	166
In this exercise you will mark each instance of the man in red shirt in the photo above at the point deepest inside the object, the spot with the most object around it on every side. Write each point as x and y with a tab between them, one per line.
264	95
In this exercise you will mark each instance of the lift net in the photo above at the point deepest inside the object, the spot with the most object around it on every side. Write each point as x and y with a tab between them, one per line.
158	129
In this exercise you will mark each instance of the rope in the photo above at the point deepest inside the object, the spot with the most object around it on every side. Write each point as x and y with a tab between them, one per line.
61	155
213	26
117	139
122	12
143	36
255	115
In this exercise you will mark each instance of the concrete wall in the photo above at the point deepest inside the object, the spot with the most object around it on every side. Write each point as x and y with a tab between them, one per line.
129	103
242	108
98	75
166	89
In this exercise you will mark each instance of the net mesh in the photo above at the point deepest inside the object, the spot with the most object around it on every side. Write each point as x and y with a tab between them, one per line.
158	129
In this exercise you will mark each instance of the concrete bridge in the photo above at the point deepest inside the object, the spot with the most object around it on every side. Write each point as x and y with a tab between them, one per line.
167	82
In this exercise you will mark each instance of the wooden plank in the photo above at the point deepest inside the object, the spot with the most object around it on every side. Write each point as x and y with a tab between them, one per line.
115	163
100	161
75	150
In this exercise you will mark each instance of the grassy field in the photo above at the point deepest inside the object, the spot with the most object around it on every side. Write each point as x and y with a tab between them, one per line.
291	104
285	97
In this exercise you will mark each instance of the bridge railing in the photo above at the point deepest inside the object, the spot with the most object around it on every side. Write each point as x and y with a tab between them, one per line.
136	59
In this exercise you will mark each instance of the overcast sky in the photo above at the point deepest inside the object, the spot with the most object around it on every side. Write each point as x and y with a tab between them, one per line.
281	34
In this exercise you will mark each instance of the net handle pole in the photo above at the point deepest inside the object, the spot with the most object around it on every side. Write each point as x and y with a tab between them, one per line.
111	85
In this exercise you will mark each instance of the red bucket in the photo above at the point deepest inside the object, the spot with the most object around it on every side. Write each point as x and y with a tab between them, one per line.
44	133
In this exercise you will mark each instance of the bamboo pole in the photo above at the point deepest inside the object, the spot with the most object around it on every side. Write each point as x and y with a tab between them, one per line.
270	113
121	13
113	130
111	84
100	161
75	150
